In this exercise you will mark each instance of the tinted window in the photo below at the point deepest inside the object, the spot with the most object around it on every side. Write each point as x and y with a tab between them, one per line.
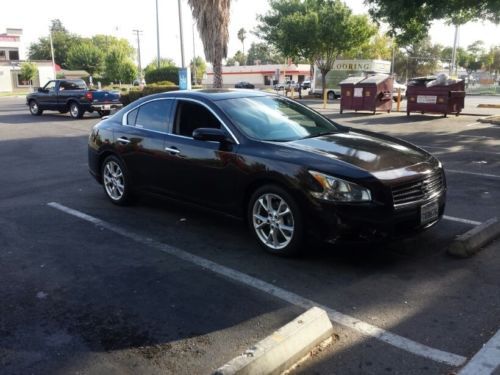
191	116
132	117
154	115
72	85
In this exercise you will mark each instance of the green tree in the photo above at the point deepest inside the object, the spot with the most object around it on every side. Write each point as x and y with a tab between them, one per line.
378	47
119	67
164	62
238	57
418	59
411	20
198	69
262	53
315	30
85	55
496	60
29	71
242	34
212	19
62	41
107	43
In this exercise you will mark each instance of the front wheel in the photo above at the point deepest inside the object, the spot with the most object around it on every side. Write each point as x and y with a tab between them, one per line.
103	113
75	110
115	181
34	108
275	220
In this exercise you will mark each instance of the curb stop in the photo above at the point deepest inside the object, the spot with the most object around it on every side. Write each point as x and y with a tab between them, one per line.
471	242
284	348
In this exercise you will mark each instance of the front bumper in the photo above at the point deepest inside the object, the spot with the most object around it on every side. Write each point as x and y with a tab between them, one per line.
359	222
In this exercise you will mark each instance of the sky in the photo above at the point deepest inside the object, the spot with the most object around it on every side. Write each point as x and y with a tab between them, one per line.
119	18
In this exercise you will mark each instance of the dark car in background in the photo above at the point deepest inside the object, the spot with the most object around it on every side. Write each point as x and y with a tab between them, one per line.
244	85
287	170
73	96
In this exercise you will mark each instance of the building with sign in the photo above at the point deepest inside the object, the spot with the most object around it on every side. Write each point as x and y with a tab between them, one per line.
260	76
10	64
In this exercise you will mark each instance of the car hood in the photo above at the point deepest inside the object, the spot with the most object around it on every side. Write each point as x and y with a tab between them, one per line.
368	151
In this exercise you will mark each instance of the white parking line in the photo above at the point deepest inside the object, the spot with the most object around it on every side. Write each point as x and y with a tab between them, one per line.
472	173
486	360
460	220
290	297
449	150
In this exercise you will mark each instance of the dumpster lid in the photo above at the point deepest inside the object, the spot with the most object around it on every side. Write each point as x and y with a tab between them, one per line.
352	80
377	78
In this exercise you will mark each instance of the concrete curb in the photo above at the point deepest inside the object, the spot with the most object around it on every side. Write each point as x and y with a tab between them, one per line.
488	106
495	120
471	242
286	346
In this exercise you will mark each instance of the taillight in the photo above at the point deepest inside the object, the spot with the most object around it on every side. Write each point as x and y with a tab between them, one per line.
89	96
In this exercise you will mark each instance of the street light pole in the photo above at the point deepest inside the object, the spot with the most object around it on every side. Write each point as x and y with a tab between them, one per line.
454	52
157	37
181	35
52	53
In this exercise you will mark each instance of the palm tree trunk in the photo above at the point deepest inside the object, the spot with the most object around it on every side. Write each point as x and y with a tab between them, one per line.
217	74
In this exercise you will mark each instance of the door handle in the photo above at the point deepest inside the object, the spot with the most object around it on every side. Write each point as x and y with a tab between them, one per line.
172	150
123	140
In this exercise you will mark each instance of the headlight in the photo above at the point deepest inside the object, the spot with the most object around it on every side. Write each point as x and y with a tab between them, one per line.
336	189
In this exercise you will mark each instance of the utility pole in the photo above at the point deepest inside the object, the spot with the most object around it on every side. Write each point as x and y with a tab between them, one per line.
195	67
183	63
138	33
52	53
157	37
453	66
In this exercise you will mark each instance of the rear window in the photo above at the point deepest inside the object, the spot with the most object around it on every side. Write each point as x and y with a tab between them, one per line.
154	115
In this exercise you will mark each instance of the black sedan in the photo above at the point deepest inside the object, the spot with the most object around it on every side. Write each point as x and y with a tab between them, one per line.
244	85
287	170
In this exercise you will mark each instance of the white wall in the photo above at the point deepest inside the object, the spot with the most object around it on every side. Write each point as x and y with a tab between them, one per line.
45	73
5	81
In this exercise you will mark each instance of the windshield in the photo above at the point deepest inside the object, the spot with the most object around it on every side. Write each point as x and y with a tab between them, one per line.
271	118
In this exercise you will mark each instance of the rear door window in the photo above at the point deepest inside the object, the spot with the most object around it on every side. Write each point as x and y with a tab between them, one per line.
154	115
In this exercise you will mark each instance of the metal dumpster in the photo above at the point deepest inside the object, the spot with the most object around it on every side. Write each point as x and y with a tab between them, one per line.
446	97
347	92
372	94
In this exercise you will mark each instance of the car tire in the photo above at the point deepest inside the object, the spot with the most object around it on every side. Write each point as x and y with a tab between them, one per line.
331	95
34	108
75	110
116	182
275	220
104	113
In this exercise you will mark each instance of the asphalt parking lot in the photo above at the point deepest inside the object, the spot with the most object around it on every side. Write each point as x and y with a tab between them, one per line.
161	287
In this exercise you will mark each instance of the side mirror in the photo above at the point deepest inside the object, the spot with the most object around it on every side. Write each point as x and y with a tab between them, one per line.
209	134
40	89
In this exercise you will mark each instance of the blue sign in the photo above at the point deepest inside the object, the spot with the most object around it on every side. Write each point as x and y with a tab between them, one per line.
185	79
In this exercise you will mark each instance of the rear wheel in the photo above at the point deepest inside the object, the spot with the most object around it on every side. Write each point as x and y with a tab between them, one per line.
275	220
115	181
34	108
331	95
75	110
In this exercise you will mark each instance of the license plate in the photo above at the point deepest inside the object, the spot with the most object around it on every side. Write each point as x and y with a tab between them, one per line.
105	107
429	212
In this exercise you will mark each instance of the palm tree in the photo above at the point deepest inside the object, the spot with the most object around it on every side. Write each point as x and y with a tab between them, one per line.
242	34
212	19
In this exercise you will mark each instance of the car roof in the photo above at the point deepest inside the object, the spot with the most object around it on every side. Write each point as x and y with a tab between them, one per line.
214	94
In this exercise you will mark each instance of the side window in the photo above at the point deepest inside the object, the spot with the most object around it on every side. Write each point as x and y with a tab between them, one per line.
132	117
191	116
51	86
154	115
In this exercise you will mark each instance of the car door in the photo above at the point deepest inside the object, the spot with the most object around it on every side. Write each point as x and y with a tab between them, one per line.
47	97
199	171
140	141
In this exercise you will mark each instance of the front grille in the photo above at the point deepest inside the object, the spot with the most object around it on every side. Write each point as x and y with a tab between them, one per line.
419	190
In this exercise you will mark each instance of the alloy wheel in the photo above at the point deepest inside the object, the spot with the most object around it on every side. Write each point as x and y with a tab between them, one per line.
114	181
273	221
